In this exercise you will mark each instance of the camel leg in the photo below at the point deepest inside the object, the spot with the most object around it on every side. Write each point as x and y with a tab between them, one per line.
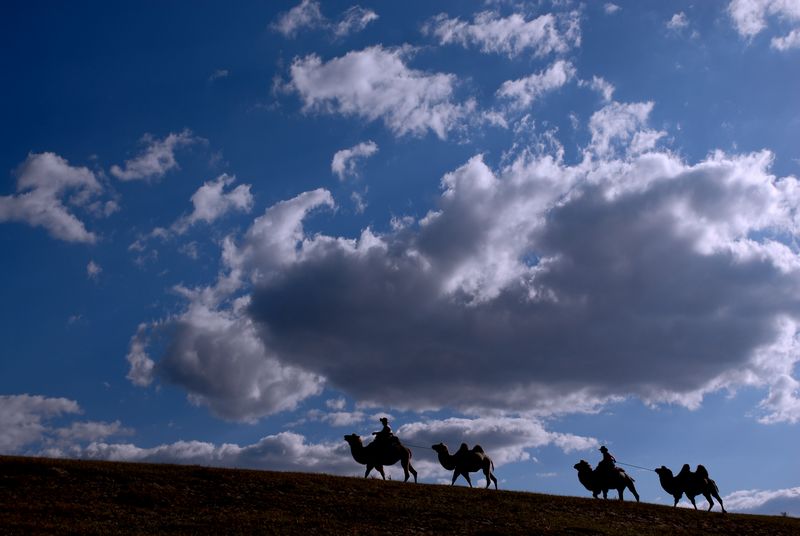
379	468
455	477
407	467
366	473
633	490
621	492
466	475
489	478
693	503
710	501
719	500
404	465
493	480
677	498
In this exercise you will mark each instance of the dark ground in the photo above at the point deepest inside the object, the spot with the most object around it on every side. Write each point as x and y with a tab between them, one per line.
47	496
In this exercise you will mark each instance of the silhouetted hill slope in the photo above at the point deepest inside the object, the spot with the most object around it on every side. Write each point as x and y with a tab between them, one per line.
49	496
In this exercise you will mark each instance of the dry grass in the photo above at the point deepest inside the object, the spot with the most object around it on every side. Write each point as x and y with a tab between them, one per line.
46	496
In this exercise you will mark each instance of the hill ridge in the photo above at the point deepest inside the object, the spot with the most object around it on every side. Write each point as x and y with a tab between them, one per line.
51	496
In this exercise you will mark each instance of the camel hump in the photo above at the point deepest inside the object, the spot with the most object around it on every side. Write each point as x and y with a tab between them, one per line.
478	449
702	471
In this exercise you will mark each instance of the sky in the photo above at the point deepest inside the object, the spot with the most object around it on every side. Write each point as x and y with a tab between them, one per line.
232	236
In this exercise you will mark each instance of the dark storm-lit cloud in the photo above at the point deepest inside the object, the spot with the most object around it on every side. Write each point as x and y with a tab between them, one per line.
613	306
513	35
49	189
157	158
217	357
377	84
214	353
538	286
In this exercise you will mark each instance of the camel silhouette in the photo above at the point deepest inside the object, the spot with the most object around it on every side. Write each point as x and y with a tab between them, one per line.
691	483
466	461
380	453
598	481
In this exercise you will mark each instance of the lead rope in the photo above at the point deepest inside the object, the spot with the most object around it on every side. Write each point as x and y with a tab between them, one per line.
636	466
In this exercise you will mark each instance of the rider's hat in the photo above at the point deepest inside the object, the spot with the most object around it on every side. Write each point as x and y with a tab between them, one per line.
603	449
384	420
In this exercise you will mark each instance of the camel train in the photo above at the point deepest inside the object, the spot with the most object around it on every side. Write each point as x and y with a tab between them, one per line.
386	449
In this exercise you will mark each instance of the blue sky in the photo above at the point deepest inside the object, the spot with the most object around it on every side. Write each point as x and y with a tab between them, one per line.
233	236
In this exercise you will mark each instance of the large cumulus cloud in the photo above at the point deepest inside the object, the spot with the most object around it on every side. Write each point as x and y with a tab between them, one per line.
538	286
543	281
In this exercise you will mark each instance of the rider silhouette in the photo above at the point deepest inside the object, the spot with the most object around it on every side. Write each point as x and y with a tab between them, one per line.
608	463
385	434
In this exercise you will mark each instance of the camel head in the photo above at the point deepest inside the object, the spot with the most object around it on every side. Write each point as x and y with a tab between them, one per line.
353	439
663	471
583	465
440	448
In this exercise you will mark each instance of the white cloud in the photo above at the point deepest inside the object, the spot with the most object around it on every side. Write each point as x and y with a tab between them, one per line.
791	40
524	91
616	124
219	73
375	83
505	439
601	85
93	270
336	403
141	366
611	8
354	19
750	19
768	502
308	15
48	188
678	21
512	35
26	421
344	162
286	451
157	159
211	202
359	203
337	418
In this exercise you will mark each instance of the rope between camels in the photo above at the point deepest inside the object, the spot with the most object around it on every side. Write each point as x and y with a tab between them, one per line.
416	446
636	466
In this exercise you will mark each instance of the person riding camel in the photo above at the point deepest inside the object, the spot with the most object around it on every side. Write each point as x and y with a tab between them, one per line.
608	463
385	434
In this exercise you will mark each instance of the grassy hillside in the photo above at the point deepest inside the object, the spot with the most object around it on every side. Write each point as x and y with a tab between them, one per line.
48	496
